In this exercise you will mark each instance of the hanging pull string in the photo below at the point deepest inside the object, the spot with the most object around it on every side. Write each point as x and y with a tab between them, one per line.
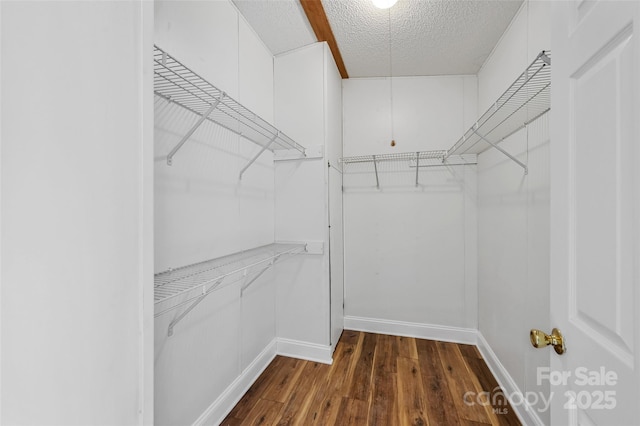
393	139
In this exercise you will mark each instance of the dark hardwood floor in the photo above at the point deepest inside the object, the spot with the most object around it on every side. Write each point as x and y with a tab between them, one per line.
381	380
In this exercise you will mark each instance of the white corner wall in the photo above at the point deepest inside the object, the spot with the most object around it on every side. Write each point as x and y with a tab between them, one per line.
334	151
513	222
410	251
76	227
203	211
301	201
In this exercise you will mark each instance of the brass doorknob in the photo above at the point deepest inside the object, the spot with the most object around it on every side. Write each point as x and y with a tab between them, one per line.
540	339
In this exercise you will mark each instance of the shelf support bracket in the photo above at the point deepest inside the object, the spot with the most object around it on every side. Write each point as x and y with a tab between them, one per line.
448	153
375	167
258	275
417	166
193	129
496	146
545	58
193	305
255	157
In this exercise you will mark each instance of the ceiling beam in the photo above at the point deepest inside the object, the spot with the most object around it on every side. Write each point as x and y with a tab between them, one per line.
320	24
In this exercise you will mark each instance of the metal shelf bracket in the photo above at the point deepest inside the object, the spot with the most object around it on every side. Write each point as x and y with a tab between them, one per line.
375	166
264	148
545	58
258	275
417	166
205	293
496	146
193	129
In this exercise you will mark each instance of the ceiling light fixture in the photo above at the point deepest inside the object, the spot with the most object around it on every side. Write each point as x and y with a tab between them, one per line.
384	4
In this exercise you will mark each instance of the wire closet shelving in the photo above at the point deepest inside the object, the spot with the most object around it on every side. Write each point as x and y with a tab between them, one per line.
401	162
523	102
189	285
176	83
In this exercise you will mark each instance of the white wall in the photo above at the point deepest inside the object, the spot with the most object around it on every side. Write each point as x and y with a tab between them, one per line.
429	113
333	129
513	216
301	201
410	251
204	211
76	213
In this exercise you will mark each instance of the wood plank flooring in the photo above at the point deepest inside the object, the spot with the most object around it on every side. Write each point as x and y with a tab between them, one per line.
380	380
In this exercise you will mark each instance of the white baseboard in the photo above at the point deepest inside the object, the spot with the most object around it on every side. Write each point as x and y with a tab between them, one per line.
526	413
215	414
305	350
410	329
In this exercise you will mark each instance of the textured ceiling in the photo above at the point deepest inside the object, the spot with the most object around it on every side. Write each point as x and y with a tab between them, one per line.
427	37
414	37
281	24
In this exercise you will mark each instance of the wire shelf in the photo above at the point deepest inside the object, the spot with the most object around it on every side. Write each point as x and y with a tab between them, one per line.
523	102
178	287
403	166
404	156
177	83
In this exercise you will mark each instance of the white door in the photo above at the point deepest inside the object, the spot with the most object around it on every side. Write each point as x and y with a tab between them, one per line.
595	205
